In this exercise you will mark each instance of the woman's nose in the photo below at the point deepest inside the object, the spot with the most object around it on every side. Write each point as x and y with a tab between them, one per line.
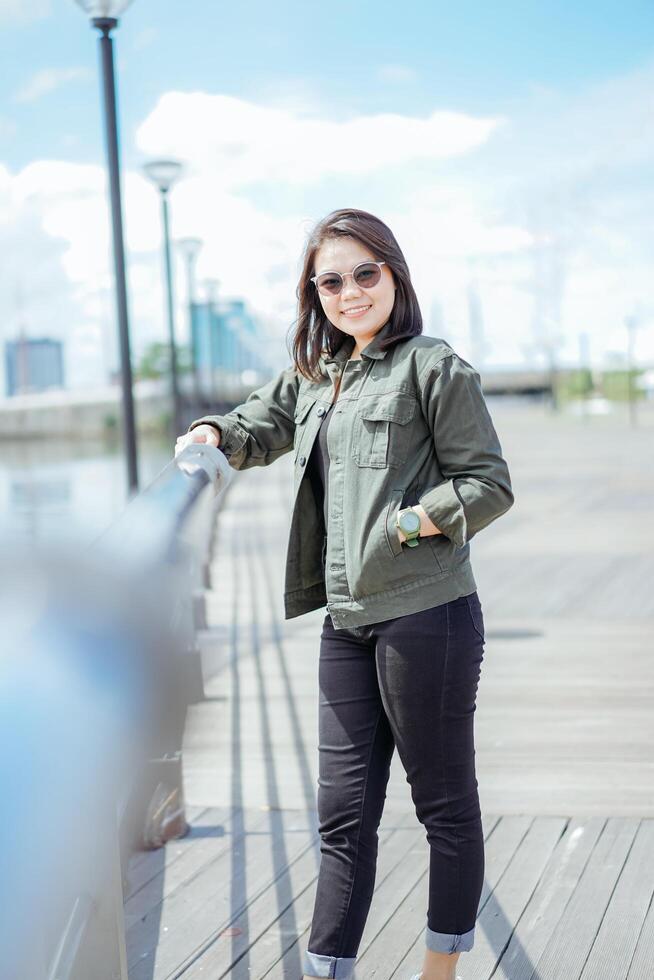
350	288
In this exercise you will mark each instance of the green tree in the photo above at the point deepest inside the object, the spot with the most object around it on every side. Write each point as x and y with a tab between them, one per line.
155	360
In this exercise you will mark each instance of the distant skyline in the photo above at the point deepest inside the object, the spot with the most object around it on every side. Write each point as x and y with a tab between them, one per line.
509	147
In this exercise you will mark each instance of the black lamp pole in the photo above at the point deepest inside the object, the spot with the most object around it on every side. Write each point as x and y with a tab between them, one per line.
105	25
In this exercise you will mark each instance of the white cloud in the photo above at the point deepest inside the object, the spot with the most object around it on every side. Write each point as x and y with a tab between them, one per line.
57	260
48	80
247	143
538	220
38	291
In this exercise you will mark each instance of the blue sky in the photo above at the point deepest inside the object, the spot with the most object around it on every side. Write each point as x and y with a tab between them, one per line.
469	56
508	145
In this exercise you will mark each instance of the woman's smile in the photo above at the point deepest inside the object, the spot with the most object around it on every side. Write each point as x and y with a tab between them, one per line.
356	311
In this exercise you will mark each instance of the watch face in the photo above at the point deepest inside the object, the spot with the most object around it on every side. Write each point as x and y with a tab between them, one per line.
409	521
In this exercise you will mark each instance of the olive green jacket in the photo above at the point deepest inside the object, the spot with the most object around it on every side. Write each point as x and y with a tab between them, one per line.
410	425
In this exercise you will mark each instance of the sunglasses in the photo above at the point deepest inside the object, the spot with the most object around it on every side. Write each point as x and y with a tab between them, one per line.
365	275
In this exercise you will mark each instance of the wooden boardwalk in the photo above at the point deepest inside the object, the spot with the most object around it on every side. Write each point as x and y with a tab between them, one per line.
564	736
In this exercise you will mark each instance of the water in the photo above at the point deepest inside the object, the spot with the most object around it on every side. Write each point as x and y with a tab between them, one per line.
56	489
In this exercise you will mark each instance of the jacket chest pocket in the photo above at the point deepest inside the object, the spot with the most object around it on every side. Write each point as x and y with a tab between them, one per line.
379	436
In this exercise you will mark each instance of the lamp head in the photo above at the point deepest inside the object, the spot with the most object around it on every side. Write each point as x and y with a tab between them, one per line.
190	247
104	9
163	173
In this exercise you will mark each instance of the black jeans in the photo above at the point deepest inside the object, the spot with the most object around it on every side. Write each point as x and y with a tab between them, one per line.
409	682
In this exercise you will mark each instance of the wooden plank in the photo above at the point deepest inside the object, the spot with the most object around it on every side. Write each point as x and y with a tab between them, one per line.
283	919
197	911
504	906
620	929
642	964
535	925
146	865
210	839
569	947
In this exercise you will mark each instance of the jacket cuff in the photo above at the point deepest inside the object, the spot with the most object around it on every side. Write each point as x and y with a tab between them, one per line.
444	509
232	435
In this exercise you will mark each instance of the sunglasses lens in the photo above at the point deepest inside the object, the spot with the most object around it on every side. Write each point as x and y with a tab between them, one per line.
330	284
367	275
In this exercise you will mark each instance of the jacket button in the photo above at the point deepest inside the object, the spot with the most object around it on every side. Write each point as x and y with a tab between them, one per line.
321	410
302	460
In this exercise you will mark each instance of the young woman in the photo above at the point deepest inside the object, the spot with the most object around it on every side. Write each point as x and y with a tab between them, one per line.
397	466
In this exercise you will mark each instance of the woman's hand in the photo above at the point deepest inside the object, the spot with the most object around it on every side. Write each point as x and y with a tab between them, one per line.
426	526
201	433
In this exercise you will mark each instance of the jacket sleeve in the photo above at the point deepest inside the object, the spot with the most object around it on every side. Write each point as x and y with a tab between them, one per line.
477	488
262	428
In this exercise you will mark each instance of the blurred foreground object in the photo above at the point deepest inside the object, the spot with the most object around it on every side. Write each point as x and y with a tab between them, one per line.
98	666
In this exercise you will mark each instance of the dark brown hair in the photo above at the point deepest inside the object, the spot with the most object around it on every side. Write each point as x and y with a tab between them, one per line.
314	334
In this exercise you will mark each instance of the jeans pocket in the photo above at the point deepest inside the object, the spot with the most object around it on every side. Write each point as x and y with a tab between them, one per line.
476	614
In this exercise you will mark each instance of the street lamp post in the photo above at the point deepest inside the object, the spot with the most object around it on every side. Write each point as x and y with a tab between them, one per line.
190	249
211	289
163	174
104	17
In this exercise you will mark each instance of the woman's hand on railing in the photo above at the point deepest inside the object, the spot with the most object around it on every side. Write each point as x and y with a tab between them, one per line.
201	433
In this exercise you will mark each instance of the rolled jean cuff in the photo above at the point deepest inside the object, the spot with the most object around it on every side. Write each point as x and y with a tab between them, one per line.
449	942
337	967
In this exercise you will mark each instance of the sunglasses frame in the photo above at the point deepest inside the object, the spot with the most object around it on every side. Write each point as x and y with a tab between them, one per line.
314	279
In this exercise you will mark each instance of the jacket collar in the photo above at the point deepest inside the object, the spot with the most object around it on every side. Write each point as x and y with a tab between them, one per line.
371	350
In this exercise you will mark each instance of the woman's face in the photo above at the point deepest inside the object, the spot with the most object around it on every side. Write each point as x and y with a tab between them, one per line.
341	255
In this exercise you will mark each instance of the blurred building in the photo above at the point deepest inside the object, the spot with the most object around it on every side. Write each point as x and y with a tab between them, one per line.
33	364
225	340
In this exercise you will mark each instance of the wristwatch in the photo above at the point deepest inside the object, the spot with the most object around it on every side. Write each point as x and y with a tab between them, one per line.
408	522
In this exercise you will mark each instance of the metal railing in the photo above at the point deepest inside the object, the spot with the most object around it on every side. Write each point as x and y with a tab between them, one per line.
99	663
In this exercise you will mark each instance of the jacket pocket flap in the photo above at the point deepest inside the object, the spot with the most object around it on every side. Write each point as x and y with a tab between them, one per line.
389	410
301	411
